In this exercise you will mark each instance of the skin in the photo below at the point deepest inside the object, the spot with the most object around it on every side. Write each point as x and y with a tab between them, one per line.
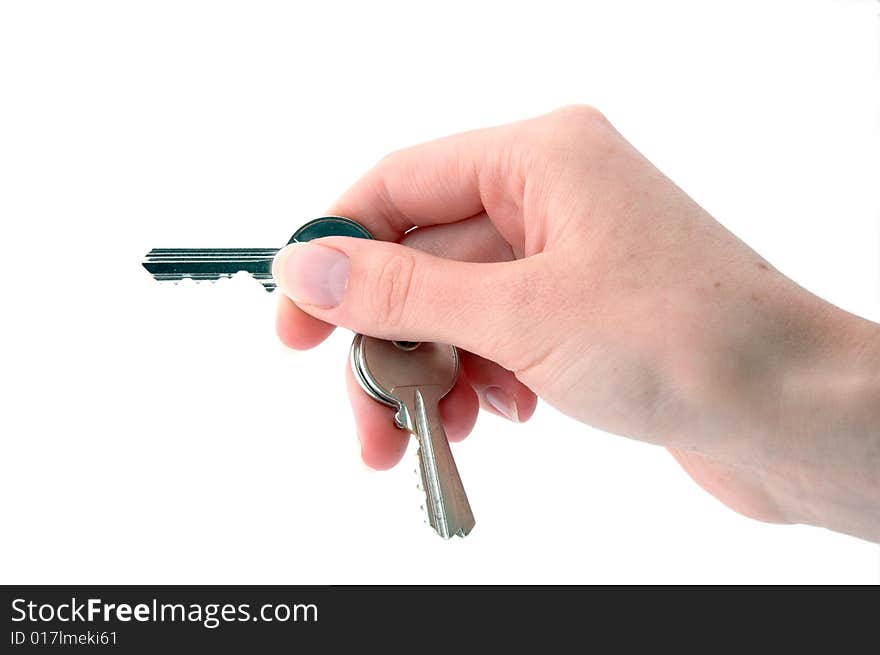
566	266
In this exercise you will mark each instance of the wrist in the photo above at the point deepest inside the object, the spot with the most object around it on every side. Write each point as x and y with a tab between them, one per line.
824	440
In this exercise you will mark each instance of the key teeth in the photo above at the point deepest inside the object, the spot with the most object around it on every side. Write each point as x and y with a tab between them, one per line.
268	285
443	534
462	532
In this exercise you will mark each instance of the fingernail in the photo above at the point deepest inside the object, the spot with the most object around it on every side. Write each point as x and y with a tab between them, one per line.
504	404
312	274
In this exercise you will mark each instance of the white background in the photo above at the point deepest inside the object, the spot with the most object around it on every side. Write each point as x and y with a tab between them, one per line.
161	434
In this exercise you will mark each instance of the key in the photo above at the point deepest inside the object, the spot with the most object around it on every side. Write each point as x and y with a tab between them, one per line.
412	378
175	264
210	264
409	376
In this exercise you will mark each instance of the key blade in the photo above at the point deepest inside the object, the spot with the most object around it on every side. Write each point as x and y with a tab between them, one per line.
448	508
210	264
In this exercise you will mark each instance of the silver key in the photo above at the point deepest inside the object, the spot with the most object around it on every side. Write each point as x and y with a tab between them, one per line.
413	377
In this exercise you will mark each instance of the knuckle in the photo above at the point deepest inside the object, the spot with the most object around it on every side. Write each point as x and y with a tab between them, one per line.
389	161
576	125
580	115
388	167
388	289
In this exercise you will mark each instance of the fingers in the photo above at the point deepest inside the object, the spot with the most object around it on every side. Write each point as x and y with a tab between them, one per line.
438	182
459	409
498	389
472	240
296	329
434	184
394	292
383	444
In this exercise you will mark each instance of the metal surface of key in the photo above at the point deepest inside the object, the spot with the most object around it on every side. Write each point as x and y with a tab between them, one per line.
211	264
413	377
175	264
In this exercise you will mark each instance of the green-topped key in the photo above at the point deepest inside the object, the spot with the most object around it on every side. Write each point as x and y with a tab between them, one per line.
210	264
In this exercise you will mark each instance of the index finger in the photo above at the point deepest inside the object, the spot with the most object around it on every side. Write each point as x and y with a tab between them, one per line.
441	181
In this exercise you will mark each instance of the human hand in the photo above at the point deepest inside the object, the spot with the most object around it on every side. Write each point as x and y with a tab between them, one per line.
563	264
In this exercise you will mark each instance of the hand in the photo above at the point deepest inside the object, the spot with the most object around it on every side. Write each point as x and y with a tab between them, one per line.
565	265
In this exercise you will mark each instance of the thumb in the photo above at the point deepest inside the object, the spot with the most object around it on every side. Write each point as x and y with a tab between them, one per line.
390	291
